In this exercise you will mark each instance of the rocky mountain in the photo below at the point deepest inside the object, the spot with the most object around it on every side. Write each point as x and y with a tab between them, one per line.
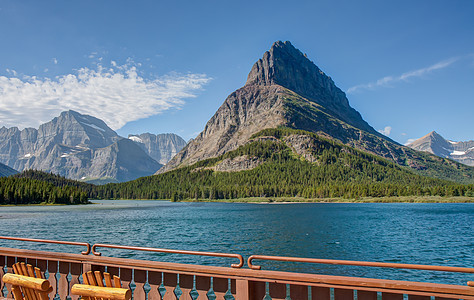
434	143
285	89
75	146
6	170
161	147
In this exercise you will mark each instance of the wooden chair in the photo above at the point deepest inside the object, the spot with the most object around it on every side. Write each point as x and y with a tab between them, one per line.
95	289
28	283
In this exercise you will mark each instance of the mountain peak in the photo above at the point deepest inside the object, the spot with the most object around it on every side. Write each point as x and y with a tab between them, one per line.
433	135
277	65
286	66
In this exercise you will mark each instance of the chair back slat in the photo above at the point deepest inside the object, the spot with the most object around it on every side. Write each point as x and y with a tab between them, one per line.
117	281
108	279
98	278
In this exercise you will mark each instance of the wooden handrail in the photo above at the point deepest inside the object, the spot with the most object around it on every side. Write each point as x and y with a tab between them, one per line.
186	252
356	263
50	242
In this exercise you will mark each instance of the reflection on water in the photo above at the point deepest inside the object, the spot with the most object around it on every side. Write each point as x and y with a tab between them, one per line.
439	234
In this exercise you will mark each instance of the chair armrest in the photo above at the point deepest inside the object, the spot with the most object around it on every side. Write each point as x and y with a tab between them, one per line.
101	292
28	282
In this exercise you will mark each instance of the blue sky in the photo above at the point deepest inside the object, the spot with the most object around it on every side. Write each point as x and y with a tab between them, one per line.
166	66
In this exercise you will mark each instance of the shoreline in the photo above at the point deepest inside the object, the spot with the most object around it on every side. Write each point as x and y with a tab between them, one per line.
291	200
286	200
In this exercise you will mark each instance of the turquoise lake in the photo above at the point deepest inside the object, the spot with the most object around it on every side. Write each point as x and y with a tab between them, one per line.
435	234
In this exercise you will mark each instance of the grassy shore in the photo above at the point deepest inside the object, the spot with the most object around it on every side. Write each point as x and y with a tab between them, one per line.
403	199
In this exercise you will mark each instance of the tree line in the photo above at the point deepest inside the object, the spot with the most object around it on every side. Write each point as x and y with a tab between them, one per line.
14	190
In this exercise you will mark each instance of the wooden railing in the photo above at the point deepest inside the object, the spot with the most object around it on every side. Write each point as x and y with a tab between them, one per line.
163	280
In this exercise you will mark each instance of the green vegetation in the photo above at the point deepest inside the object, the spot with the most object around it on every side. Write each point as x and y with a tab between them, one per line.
15	190
338	171
54	179
307	115
398	199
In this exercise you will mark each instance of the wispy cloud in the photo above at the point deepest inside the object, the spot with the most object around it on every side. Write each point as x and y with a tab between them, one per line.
386	131
389	80
117	95
409	141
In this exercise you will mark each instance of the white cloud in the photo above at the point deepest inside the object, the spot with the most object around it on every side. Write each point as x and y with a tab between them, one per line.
388	80
409	141
116	95
386	131
55	61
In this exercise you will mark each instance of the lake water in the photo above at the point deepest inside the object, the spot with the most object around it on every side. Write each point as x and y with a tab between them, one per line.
436	234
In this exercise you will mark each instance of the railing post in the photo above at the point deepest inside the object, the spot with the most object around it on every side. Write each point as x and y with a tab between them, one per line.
242	289
86	267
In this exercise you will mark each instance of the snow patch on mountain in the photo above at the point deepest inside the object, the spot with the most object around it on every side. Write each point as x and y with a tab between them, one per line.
135	139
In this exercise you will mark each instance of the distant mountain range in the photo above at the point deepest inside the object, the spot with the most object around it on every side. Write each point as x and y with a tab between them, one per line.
284	89
83	147
434	143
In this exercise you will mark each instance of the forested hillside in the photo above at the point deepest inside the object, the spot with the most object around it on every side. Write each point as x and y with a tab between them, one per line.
285	162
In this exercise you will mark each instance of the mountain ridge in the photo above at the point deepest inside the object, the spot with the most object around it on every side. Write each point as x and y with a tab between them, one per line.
315	104
287	66
434	143
77	146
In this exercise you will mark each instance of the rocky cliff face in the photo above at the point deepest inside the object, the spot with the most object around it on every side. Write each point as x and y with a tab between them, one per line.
75	146
161	147
434	143
245	112
123	160
286	66
284	88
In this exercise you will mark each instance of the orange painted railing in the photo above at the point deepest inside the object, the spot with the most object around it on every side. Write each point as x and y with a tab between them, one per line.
163	280
186	252
356	263
50	242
